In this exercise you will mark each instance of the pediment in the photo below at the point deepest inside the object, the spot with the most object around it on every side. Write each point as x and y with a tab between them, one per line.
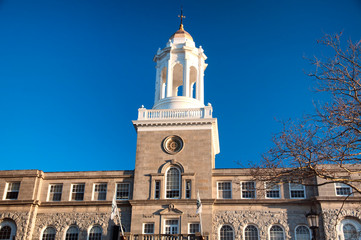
171	210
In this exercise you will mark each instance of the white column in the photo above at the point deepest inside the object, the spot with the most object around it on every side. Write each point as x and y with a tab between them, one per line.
169	79
186	84
158	84
201	82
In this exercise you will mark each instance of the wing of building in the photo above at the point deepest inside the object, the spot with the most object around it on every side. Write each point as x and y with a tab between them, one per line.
177	141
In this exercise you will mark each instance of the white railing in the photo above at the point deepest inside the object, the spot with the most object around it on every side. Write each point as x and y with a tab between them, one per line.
188	113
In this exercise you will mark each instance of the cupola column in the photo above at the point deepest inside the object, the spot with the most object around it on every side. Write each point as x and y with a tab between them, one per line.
186	85
169	79
158	84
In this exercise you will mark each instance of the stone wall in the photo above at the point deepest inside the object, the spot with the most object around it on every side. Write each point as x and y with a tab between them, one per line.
84	221
239	219
21	220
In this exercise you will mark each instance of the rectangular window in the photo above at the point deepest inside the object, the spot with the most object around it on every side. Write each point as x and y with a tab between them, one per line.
224	190
171	226
188	188
343	189
297	190
55	191
272	190
248	189
12	190
77	192
100	191
148	228
157	190
123	191
193	228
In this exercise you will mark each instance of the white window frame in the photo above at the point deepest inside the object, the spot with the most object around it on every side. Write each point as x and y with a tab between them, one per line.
219	231
342	185
11	224
189	227
218	191
71	192
283	231
309	231
290	190
166	182
116	191
7	190
254	190
267	190
61	193
143	230
165	225
106	191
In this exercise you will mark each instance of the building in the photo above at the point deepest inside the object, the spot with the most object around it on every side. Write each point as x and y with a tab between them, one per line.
177	141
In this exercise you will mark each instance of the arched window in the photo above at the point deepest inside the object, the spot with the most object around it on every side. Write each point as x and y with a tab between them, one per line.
349	229
72	233
226	233
276	233
173	183
177	80
303	233
350	232
251	233
49	234
5	232
7	229
95	233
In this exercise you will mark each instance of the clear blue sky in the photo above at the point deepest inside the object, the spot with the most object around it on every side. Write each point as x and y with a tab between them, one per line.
74	72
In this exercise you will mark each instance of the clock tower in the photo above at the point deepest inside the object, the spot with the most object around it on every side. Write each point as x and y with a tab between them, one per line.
177	141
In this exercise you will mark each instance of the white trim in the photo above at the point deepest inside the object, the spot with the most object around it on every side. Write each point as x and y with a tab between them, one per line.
309	230
90	228
11	224
116	191
304	191
106	191
71	191
178	225
48	196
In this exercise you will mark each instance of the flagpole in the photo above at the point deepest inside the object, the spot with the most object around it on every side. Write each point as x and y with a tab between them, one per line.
115	212
199	211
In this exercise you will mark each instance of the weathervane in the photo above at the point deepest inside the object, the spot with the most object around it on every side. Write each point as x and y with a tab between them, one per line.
181	16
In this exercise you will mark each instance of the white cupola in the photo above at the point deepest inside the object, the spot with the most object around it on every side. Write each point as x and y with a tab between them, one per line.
180	73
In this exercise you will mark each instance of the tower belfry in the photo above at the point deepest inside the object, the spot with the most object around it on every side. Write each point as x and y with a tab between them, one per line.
180	72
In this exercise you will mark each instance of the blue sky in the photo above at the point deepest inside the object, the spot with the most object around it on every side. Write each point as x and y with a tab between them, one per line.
74	72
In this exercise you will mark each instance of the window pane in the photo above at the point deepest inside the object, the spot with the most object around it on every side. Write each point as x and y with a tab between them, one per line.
251	233
55	192
272	190
248	190
224	190
100	191
95	233
342	189
12	191
78	192
276	233
173	183
194	228
302	233
226	233
72	233
49	234
148	228
350	232
157	190
297	190
123	191
5	232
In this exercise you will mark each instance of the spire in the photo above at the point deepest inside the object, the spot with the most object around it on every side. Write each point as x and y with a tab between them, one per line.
181	16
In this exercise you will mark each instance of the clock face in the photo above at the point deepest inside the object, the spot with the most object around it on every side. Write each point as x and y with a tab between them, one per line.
172	144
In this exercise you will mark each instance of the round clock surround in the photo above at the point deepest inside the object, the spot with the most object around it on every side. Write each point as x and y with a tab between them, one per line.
173	144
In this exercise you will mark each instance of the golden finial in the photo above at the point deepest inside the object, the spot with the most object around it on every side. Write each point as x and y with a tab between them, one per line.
181	16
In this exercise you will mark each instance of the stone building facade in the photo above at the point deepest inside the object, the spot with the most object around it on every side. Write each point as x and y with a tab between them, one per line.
177	141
